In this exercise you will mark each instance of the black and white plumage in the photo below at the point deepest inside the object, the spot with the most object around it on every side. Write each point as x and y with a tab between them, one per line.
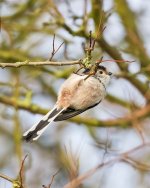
77	94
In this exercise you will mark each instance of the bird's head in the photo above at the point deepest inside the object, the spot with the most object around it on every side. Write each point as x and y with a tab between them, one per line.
102	74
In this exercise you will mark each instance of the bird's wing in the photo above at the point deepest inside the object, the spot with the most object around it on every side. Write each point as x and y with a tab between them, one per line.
69	113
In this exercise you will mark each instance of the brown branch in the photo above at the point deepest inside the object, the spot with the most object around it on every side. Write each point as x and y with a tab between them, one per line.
6	178
41	63
117	60
77	181
124	157
21	171
136	149
138	127
55	51
121	122
85	15
16	182
137	164
52	179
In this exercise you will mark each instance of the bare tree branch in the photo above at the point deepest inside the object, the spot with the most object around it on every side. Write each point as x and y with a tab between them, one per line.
17	183
55	51
126	121
124	157
22	171
77	181
41	63
6	178
52	179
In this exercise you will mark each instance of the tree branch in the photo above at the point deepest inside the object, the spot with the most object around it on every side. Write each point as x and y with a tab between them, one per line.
123	157
28	63
6	178
120	122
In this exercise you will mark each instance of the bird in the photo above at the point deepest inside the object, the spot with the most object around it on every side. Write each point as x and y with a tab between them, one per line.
78	93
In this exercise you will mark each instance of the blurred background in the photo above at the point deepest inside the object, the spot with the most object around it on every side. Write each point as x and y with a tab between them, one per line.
119	124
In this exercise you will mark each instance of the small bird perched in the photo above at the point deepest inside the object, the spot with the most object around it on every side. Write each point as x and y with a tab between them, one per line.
77	94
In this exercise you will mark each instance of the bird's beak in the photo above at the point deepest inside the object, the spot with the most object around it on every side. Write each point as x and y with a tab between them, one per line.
110	73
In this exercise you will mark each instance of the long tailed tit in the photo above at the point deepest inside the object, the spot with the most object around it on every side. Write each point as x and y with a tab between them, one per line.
77	94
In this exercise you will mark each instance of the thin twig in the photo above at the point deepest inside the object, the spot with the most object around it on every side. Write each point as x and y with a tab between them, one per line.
20	175
6	178
38	63
90	38
85	16
138	127
21	170
52	179
124	157
100	27
116	60
106	145
92	42
77	181
136	148
55	51
136	164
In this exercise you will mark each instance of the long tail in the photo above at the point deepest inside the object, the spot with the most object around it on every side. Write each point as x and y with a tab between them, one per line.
37	129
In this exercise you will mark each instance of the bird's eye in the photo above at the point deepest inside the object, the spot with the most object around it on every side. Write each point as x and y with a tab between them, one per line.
101	72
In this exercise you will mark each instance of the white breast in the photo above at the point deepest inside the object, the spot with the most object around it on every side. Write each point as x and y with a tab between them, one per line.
78	93
90	92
